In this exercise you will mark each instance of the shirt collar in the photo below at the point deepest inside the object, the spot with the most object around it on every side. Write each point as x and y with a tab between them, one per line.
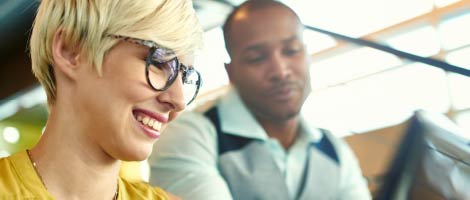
311	133
236	119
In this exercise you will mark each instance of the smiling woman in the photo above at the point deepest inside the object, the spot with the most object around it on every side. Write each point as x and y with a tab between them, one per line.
109	98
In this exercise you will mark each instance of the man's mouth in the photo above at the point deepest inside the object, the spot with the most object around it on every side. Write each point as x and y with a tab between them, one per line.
282	92
284	87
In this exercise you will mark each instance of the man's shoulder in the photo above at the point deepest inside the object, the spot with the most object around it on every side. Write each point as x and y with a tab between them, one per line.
190	128
207	105
342	148
197	114
334	135
331	135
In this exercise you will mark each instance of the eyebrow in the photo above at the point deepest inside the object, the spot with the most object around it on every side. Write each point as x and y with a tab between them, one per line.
258	46
291	39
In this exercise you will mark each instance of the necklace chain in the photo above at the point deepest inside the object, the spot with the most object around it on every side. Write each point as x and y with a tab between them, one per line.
42	181
35	168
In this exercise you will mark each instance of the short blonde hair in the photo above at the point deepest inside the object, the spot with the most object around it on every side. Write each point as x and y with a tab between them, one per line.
86	23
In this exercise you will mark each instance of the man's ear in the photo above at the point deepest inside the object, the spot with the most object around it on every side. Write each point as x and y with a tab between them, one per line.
66	57
228	69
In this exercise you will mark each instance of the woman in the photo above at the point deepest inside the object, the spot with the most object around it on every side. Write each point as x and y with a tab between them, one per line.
115	73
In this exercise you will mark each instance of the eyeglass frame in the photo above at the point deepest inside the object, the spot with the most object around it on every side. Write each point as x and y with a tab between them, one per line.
179	66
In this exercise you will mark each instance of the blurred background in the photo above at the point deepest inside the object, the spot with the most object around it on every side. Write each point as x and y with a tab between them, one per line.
367	93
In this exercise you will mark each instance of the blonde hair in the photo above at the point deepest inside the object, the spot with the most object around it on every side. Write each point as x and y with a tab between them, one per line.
85	25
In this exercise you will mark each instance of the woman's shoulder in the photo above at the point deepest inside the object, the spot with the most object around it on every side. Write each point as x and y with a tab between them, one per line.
10	167
18	180
142	190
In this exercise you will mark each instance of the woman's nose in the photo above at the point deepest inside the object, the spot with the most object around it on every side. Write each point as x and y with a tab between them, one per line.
173	96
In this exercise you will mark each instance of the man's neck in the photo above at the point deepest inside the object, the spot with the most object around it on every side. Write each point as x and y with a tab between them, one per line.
72	167
284	131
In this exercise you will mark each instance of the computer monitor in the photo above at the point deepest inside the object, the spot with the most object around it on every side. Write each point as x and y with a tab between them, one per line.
432	162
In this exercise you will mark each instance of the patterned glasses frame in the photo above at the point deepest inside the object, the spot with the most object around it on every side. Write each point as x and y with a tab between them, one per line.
173	65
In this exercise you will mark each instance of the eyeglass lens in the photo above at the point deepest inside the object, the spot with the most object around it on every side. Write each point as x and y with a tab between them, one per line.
161	74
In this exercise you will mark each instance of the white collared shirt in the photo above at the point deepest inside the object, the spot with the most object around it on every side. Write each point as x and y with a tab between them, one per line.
184	160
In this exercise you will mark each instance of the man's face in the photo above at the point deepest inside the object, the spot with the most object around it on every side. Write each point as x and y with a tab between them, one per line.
269	65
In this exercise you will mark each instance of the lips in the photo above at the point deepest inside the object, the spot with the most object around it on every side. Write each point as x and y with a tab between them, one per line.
150	122
282	92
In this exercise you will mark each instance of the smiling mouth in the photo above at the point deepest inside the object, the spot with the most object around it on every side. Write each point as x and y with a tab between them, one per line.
148	121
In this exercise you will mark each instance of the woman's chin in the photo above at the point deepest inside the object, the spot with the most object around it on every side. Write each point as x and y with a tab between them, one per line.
139	155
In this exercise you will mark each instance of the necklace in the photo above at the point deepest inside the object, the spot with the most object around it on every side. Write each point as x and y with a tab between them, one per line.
42	181
35	168
117	191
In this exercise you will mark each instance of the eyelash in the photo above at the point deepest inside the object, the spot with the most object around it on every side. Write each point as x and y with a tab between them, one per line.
287	52
292	51
257	59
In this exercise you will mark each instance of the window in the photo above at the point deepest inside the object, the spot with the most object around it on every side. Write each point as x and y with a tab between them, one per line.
454	31
421	41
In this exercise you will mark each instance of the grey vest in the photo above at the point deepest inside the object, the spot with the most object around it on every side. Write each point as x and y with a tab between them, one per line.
252	174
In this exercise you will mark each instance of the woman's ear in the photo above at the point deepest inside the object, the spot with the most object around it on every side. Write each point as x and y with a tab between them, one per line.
66	57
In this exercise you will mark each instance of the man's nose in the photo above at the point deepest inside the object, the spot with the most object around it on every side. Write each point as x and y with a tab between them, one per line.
279	67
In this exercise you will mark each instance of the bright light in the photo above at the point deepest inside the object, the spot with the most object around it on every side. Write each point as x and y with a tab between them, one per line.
210	61
453	33
463	120
459	58
459	86
360	17
317	41
350	65
442	3
423	41
11	134
380	100
145	170
4	153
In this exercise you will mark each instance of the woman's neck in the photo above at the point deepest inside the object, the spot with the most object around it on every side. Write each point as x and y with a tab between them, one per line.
70	165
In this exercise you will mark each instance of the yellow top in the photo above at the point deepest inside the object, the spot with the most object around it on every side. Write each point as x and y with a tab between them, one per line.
19	180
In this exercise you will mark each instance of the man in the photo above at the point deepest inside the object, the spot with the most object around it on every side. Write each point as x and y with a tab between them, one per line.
253	144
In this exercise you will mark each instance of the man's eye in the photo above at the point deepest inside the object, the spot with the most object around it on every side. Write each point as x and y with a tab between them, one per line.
292	51
254	59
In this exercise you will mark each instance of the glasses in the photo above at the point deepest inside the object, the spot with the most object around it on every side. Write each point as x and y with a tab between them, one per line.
162	68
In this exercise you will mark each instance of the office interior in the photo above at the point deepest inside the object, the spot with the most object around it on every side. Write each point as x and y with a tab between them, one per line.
367	94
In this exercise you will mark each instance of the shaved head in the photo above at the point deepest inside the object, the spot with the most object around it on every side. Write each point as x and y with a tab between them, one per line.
242	11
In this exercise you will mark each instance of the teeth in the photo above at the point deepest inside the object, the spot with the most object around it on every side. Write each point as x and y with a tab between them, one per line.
149	122
146	120
157	126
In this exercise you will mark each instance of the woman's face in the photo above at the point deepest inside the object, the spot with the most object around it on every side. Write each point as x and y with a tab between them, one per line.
121	112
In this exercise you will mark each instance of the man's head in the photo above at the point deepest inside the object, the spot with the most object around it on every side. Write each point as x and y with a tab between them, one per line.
86	24
269	66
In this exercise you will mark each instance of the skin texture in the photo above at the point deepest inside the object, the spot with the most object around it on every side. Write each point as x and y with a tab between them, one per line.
123	82
269	68
93	120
